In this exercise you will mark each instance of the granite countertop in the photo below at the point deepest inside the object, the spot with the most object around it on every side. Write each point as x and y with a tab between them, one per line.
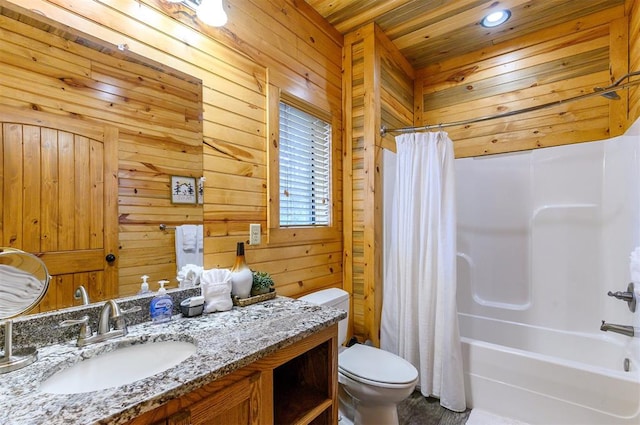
225	341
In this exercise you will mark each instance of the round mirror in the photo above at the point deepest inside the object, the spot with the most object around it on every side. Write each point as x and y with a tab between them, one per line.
24	280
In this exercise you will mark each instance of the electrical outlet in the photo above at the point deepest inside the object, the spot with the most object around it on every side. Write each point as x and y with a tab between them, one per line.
254	234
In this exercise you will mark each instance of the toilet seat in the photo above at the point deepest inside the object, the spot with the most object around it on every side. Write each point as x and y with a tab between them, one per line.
376	367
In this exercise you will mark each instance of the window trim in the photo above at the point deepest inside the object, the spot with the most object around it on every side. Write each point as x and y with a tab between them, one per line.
277	235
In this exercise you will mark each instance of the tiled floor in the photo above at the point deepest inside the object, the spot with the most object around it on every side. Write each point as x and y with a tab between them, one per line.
419	410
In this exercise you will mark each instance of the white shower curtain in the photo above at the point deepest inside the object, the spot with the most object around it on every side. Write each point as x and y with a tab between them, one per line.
419	317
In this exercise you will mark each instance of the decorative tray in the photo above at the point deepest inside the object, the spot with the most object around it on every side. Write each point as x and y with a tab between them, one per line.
243	302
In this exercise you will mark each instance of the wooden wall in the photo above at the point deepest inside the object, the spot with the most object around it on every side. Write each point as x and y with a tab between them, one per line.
281	42
632	8
546	66
379	89
300	54
156	110
552	64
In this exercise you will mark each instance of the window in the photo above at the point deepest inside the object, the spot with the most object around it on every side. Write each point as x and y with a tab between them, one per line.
304	168
303	171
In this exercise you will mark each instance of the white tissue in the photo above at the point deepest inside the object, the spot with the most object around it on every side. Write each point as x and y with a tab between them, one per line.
196	301
189	276
634	265
216	289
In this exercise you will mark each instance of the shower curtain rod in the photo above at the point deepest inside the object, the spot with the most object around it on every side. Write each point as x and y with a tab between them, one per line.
608	92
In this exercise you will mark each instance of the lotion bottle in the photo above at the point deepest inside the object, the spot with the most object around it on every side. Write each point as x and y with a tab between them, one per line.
161	305
144	286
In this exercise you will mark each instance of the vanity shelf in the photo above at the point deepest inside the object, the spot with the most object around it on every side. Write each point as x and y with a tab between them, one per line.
301	408
302	387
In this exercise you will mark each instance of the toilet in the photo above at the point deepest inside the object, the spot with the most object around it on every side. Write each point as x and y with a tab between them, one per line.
371	381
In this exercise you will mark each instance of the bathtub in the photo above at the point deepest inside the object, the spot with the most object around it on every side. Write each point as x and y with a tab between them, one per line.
542	237
543	376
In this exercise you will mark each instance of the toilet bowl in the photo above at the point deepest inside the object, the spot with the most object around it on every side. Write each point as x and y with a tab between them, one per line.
372	381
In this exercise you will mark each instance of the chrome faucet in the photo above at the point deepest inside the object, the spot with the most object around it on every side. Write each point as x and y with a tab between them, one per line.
81	293
110	312
621	329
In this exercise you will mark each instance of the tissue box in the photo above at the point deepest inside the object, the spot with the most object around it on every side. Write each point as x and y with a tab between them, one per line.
192	306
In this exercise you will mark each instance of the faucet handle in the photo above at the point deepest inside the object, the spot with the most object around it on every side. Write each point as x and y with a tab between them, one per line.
127	311
120	322
626	296
85	329
131	310
629	296
84	320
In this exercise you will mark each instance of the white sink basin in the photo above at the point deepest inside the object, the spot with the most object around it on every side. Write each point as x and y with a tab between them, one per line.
119	367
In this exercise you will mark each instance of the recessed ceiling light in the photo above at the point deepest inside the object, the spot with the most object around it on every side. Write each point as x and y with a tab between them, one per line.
495	18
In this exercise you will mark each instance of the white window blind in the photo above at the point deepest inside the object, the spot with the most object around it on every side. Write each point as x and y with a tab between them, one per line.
305	168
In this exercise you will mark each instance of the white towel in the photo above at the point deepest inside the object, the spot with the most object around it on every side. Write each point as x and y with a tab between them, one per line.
16	285
189	237
216	289
184	236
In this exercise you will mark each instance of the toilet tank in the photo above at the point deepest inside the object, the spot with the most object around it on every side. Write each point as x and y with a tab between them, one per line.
332	297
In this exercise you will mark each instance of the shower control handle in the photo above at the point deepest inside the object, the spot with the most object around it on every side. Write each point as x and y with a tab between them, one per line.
628	296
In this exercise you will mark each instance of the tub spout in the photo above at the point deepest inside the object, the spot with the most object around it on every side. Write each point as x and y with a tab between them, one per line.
621	329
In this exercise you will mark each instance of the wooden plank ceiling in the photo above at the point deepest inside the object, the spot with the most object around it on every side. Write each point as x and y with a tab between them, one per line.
431	31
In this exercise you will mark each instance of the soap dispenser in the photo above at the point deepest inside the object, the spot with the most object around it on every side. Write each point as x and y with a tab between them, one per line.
161	305
144	286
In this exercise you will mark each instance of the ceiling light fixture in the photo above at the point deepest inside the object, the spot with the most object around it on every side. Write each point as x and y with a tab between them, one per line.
496	18
211	12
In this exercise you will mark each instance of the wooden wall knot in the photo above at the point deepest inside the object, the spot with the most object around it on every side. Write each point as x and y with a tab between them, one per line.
71	82
460	75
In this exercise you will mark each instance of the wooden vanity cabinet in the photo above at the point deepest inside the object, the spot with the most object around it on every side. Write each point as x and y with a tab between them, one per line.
295	385
300	382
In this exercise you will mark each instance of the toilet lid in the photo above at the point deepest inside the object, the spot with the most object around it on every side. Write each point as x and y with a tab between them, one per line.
375	365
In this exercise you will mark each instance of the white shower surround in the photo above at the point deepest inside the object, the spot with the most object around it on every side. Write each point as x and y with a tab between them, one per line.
542	236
